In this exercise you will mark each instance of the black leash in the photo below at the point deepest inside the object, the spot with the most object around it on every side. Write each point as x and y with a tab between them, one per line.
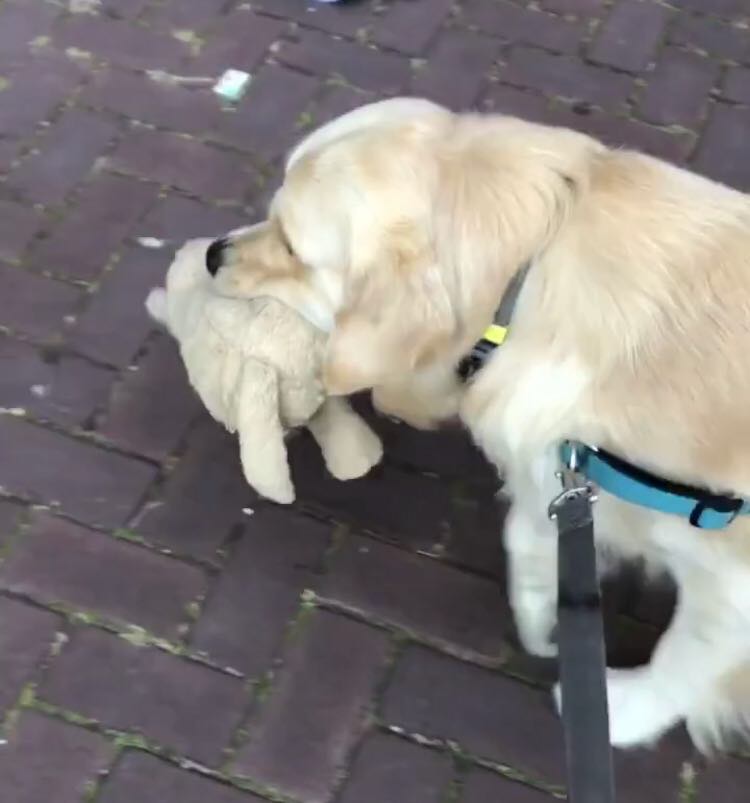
588	755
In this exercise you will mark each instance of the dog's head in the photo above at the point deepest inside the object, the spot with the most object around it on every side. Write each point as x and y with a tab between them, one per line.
390	230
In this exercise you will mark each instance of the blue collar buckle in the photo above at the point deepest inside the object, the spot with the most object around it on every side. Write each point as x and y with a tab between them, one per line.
703	509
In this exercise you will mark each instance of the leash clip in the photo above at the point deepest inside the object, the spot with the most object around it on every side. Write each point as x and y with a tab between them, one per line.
574	483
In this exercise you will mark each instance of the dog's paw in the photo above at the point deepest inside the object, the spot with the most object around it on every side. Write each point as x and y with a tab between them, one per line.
156	304
357	458
639	711
535	616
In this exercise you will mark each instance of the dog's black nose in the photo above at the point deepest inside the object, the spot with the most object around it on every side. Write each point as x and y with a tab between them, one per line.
215	255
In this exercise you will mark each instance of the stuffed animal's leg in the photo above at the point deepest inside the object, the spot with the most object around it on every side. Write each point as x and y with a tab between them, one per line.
262	449
350	448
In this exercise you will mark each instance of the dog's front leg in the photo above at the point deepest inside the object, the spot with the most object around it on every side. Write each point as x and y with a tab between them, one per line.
531	544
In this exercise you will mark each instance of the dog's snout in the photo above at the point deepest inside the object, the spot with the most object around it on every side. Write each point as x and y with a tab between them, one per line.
215	255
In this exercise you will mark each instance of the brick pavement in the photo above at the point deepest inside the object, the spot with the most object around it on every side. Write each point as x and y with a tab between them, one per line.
159	644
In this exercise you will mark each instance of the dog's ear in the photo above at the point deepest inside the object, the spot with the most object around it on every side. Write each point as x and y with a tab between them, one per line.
397	316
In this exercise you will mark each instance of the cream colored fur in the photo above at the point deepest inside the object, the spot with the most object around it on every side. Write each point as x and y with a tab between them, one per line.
257	367
632	332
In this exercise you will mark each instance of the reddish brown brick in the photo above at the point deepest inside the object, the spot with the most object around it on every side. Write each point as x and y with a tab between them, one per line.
267	120
678	90
335	101
185	163
124	9
119	580
486	713
737	85
279	556
37	85
476	534
412	509
419	594
88	483
410	27
153	406
115	321
204	497
579	8
9	149
712	36
316	708
630	35
46	759
448	452
557	75
654	773
144	778
621	132
346	20
455	68
66	155
32	304
358	64
176	219
64	389
11	515
515	24
509	100
725	780
179	15
240	40
121	43
724	152
20	23
177	703
389	768
482	786
717	8
26	635
105	211
135	95
18	224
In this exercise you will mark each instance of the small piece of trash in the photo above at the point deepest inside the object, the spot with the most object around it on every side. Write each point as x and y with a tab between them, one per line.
163	77
84	6
18	412
248	511
40	391
232	85
150	242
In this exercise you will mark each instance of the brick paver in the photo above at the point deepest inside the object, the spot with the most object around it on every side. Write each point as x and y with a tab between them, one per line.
157	620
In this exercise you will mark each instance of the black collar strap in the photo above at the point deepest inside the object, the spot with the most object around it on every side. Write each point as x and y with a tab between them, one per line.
495	333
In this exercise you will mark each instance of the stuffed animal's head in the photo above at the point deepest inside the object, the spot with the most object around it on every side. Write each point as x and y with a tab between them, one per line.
187	279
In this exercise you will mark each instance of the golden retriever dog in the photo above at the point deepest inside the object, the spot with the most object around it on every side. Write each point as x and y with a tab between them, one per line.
399	227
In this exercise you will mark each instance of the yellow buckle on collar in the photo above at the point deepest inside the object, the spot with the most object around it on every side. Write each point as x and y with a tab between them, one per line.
495	334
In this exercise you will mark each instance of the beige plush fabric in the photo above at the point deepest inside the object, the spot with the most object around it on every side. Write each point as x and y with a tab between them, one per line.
256	365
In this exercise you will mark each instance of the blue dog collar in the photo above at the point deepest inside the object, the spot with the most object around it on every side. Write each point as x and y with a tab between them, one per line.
632	484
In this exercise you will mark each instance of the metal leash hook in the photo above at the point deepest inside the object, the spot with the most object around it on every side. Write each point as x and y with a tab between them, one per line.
582	659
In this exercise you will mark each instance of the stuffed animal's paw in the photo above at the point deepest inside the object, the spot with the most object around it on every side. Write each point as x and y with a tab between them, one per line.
156	304
282	494
355	453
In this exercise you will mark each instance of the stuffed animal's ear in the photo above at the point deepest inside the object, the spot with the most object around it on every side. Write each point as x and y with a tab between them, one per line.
396	318
156	304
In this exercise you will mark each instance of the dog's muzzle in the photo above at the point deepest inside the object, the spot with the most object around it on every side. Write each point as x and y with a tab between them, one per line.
215	255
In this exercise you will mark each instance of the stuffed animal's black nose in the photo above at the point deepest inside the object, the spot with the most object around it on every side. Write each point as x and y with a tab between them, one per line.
215	255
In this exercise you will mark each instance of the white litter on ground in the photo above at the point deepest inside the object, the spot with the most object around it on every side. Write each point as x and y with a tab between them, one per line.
150	242
248	511
162	77
232	85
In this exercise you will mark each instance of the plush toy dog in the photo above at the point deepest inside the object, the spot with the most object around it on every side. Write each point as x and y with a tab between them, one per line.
256	366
